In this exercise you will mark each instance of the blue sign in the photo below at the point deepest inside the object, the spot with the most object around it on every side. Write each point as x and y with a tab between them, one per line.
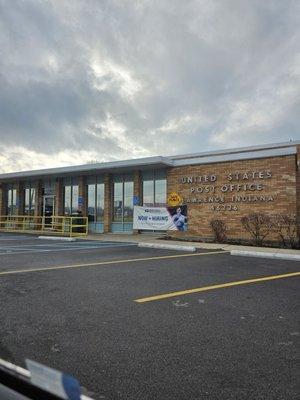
80	200
136	200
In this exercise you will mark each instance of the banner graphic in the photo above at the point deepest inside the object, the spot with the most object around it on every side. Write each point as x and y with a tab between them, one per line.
160	218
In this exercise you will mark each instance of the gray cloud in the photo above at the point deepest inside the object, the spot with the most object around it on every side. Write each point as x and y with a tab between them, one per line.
110	79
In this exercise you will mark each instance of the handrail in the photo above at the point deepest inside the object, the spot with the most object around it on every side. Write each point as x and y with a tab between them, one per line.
62	225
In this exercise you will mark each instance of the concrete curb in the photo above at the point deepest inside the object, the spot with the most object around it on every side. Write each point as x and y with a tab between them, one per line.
167	246
66	239
281	256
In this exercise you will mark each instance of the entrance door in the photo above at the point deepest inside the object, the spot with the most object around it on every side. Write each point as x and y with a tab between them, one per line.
48	210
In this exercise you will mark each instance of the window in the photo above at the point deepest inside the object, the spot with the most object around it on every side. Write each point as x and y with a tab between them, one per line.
74	196
67	200
148	192
95	192
123	198
100	202
118	202
128	202
154	188
29	200
70	196
91	208
11	201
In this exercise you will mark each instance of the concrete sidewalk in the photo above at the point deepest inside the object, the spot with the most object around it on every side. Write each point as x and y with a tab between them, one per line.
152	238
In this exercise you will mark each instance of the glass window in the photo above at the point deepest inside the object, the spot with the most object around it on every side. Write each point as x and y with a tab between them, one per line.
32	200
128	202
95	192
74	199
11	201
49	187
100	202
29	201
154	188
91	209
14	201
160	192
123	198
118	201
71	193
148	193
67	200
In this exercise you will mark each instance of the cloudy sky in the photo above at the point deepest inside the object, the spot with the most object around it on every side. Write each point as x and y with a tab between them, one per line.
84	80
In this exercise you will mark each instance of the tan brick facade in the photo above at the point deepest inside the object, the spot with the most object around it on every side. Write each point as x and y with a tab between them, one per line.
269	179
298	186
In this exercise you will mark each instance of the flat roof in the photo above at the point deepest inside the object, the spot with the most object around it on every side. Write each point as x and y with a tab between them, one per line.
208	157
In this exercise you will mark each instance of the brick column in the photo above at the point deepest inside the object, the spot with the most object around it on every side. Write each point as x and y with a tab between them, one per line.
38	199
137	191
3	200
298	190
82	193
20	198
138	186
59	197
107	203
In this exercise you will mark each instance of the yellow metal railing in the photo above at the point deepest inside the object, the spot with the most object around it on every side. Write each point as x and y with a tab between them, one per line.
62	225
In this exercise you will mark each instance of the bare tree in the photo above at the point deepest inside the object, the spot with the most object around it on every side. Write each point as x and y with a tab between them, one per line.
286	228
219	228
258	225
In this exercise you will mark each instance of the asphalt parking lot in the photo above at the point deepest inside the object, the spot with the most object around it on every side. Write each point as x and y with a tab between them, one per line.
136	323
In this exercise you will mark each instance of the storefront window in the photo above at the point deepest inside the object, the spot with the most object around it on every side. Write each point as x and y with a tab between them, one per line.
128	202
67	200
100	202
70	196
29	200
160	191
12	201
154	188
123	198
91	208
118	201
148	192
74	194
95	192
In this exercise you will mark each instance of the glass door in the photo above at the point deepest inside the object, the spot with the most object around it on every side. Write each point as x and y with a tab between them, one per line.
48	211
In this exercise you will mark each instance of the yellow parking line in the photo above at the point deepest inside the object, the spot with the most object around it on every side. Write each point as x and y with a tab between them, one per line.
213	287
23	271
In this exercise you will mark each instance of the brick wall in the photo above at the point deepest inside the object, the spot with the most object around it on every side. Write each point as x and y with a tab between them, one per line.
82	193
137	189
280	189
59	195
107	203
3	200
38	198
138	186
298	187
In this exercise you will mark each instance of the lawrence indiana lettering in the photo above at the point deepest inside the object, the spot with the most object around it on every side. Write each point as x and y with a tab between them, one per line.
239	187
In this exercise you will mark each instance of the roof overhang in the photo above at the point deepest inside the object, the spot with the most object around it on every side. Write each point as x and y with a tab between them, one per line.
97	168
245	155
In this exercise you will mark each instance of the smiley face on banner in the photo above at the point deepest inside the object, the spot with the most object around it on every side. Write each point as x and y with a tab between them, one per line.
174	199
